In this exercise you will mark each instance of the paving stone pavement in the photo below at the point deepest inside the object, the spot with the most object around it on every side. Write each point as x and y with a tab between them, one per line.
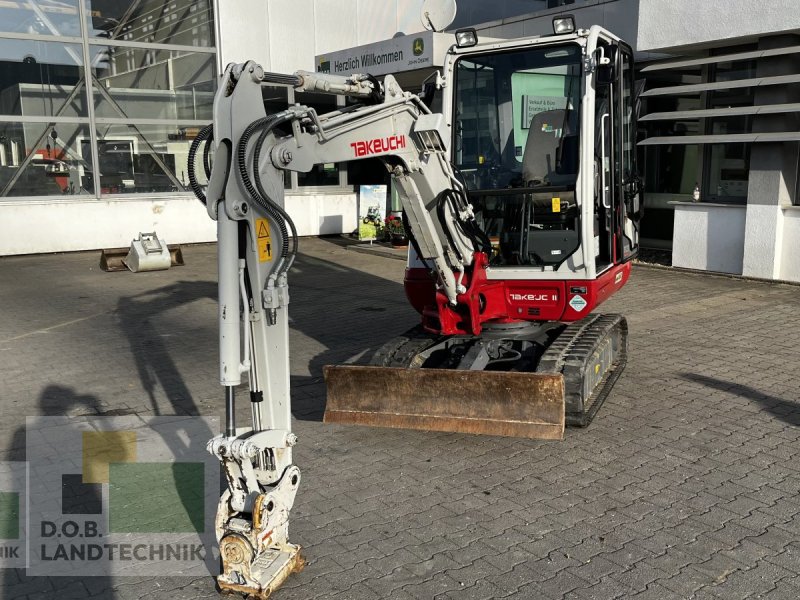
685	486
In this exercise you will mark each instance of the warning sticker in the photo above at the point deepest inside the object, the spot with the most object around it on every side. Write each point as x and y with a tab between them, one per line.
556	204
262	227
578	303
263	241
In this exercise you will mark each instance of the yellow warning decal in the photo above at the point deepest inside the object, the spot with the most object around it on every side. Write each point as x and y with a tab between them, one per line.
556	204
263	241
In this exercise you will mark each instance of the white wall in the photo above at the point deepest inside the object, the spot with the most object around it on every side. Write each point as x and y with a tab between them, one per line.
709	237
666	24
790	259
323	214
32	227
285	35
763	241
28	227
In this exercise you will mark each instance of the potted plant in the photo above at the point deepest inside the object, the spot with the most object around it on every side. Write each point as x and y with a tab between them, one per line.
395	231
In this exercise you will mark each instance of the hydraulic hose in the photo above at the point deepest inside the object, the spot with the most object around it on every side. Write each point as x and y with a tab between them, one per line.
278	208
469	228
263	201
207	154
258	194
206	134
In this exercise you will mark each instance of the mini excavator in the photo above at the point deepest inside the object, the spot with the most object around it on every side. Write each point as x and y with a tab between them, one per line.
522	203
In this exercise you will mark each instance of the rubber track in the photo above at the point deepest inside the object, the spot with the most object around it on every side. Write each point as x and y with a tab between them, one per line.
401	350
570	355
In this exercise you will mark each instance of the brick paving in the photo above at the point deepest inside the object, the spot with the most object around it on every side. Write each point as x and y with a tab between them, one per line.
685	486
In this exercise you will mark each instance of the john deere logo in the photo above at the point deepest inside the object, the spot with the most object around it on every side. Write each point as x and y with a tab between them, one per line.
324	66
418	47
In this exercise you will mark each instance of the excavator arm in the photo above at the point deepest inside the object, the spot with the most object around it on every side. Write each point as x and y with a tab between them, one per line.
257	244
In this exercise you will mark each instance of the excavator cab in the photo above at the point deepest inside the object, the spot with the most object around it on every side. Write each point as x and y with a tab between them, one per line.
543	137
521	140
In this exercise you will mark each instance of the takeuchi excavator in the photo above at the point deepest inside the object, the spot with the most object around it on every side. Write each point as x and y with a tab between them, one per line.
522	201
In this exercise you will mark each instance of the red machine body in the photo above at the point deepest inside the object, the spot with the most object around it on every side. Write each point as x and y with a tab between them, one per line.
507	301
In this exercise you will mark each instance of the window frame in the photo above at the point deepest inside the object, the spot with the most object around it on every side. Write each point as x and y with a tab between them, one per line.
85	42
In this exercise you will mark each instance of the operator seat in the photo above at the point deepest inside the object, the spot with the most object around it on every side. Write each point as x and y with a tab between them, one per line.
550	159
550	237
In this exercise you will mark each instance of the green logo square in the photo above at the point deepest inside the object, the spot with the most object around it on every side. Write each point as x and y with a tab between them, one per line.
156	497
9	515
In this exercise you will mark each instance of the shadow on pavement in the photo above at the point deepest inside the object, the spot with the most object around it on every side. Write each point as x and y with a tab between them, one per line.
56	401
346	312
350	313
154	362
788	412
157	368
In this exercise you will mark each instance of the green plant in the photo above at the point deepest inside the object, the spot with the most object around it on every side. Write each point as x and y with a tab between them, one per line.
394	226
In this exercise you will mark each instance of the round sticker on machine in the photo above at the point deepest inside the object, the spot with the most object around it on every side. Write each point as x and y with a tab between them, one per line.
578	303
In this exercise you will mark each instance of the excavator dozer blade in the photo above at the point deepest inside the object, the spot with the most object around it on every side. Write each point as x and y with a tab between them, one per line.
527	405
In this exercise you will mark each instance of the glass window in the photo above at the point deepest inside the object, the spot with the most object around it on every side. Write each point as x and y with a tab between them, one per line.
796	198
323	174
504	100
183	22
149	102
56	165
671	169
153	84
727	166
728	169
143	158
41	79
41	17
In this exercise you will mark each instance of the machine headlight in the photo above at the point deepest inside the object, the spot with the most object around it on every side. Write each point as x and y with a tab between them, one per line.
563	24
466	38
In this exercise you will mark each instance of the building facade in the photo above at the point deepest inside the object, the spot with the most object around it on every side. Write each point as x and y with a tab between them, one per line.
99	100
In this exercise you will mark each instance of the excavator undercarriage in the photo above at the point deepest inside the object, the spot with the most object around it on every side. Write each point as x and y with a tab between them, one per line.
517	379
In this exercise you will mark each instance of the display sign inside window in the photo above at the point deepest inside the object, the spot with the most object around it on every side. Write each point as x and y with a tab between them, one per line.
533	105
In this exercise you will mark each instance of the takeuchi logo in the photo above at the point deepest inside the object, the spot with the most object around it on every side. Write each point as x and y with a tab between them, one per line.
418	47
379	145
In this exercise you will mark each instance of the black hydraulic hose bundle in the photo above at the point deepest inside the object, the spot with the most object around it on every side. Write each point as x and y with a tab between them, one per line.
206	134
469	227
278	207
258	194
477	233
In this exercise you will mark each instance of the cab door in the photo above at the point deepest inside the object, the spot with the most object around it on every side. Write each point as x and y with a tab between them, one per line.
606	119
628	190
618	186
